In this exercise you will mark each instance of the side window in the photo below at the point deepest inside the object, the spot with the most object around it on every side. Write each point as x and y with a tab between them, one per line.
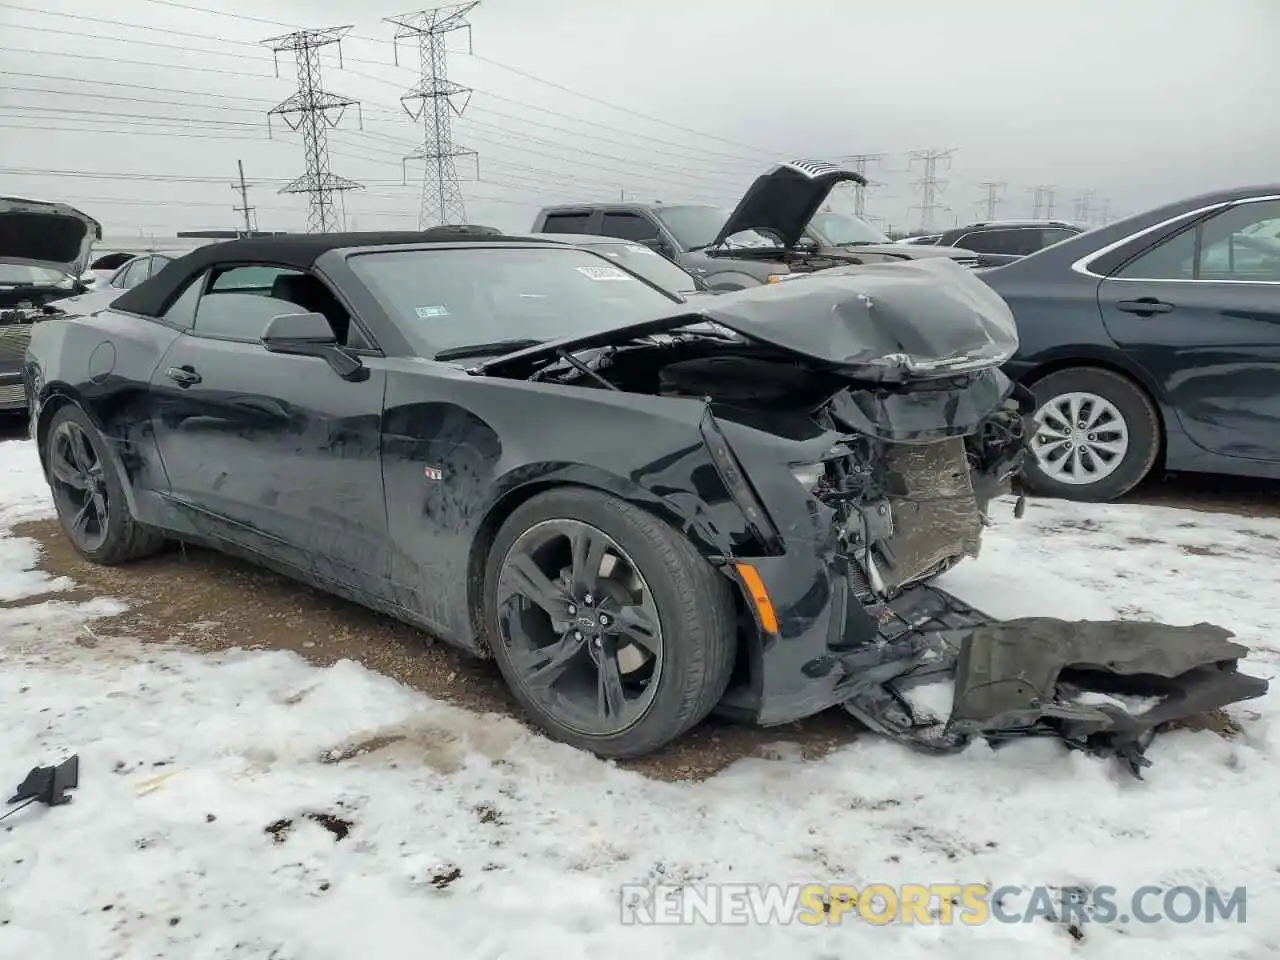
241	302
1052	235
1026	241
132	274
986	241
182	312
628	226
1242	243
1171	259
158	263
248	279
566	223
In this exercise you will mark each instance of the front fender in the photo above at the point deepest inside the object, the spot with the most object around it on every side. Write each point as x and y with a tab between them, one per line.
53	397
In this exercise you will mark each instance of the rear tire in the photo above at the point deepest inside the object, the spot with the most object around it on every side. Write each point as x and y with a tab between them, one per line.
632	637
88	493
1105	458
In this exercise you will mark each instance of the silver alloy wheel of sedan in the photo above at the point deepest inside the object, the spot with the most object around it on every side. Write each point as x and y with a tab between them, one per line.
1080	438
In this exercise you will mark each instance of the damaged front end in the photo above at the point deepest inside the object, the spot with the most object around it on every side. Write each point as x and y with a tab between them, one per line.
860	423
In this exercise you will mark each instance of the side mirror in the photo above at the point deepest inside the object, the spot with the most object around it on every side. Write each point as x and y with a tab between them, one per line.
310	335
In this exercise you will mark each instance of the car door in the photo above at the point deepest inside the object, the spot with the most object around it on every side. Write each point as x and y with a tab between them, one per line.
273	453
1200	311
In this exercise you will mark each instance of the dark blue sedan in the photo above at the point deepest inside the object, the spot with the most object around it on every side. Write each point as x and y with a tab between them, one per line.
1154	341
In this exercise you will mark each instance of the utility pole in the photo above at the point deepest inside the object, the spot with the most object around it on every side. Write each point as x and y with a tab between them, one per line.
1050	193
436	98
313	111
1104	211
859	162
992	200
929	184
243	189
1084	205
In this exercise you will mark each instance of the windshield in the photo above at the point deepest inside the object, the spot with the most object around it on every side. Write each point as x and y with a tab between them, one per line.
22	275
697	226
837	229
654	267
451	298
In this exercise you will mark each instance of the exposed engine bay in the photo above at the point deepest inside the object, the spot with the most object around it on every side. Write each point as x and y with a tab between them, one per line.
927	434
905	511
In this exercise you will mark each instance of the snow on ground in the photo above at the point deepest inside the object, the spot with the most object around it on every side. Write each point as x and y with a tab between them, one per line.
186	760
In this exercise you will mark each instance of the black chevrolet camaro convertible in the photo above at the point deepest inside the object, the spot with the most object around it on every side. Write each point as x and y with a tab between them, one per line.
642	508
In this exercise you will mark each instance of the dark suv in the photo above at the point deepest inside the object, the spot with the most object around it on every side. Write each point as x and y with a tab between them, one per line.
997	242
775	231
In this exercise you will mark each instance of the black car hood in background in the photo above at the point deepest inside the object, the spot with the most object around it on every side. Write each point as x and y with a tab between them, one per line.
784	200
881	322
39	234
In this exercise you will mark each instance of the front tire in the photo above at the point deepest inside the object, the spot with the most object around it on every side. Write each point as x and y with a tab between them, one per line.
612	631
1097	436
88	493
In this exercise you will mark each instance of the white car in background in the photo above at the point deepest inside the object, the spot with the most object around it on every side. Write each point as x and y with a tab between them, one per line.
130	272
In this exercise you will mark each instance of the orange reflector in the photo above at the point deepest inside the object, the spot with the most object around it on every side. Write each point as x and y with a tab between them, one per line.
759	596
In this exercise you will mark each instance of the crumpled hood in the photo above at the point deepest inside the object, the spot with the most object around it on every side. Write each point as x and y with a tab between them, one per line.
784	200
877	322
37	233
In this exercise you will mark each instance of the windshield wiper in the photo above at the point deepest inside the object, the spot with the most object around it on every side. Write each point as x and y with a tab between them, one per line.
487	349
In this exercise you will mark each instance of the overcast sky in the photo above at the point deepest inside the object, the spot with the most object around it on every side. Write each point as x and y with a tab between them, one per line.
1141	101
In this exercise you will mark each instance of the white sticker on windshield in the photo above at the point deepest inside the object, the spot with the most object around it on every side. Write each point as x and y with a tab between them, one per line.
603	273
427	313
636	248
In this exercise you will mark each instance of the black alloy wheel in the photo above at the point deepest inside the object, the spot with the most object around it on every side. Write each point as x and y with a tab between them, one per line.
581	626
89	493
78	480
613	631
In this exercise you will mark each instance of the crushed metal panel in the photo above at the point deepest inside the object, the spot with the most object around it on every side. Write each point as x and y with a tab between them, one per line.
1043	677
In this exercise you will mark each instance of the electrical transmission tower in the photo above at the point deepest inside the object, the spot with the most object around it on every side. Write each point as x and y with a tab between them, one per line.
1084	206
859	162
1042	202
242	188
313	111
436	98
992	200
929	184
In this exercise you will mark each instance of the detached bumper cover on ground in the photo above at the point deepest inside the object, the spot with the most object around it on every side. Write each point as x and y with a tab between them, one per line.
1106	687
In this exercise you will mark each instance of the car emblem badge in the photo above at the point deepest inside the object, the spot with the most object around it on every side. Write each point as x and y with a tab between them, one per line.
433	473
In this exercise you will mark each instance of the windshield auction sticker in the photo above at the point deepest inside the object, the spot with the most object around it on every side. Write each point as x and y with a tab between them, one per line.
603	273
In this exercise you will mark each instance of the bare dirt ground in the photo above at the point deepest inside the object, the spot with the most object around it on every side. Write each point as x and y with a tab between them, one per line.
208	602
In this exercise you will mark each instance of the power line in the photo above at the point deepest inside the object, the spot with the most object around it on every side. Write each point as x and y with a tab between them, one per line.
649	139
522	73
929	184
995	189
314	110
436	97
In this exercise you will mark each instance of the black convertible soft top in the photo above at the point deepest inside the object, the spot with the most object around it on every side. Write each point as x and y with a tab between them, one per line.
297	251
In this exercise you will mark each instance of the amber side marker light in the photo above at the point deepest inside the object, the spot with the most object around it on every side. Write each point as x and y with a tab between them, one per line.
759	596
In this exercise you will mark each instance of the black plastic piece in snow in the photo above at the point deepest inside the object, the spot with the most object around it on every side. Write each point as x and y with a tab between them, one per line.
49	785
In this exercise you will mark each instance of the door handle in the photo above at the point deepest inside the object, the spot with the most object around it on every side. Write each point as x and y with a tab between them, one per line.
1145	307
183	376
